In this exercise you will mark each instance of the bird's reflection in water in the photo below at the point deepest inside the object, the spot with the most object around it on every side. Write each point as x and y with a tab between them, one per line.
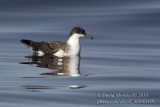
41	88
61	66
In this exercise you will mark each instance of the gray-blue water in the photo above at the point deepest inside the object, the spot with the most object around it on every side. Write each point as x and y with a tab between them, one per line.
119	68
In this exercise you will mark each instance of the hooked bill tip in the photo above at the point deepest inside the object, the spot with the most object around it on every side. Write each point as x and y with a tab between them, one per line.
88	36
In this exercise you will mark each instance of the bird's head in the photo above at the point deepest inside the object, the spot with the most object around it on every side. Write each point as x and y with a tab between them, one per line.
79	32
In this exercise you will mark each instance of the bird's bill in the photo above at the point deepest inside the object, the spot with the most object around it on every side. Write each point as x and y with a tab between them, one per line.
88	36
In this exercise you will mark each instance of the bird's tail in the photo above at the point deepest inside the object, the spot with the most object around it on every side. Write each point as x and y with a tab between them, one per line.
28	43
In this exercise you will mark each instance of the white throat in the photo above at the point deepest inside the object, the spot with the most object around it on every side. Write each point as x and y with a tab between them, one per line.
74	44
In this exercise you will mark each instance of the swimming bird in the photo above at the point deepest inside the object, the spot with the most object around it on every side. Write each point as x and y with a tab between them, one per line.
58	48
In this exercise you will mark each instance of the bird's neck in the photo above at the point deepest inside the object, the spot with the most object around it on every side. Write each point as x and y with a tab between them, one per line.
74	44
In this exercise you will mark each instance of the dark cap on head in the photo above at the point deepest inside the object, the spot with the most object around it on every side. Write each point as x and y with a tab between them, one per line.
79	30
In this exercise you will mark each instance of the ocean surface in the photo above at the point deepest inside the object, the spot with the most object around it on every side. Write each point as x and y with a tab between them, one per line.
119	68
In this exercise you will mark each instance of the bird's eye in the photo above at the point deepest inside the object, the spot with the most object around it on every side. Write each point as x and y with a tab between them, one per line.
82	32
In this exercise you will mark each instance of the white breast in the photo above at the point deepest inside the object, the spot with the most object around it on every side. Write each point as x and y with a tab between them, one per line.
74	44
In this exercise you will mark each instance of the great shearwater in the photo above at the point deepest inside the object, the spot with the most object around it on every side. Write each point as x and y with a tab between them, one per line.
57	48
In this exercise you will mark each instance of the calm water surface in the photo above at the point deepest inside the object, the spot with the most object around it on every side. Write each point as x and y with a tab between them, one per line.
121	64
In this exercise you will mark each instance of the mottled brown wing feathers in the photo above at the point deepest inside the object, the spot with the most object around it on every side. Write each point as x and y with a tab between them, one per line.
48	47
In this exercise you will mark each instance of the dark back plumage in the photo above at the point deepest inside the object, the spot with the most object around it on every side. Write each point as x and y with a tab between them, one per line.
47	47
